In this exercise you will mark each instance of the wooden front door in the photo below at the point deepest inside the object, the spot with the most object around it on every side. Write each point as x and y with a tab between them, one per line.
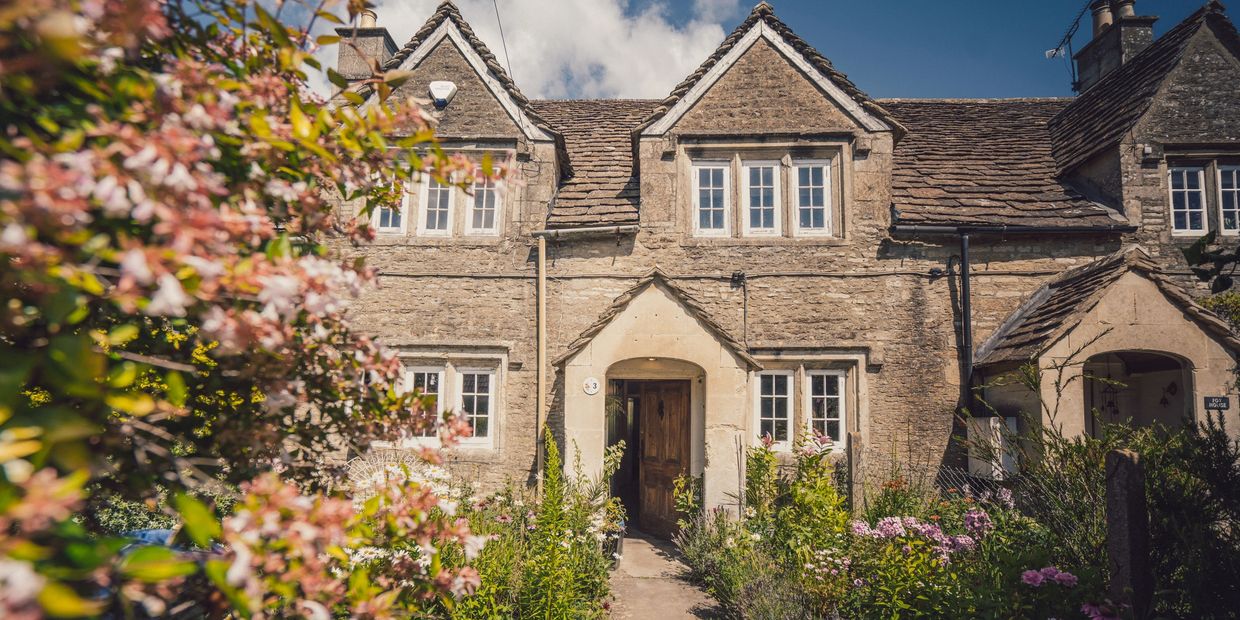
664	453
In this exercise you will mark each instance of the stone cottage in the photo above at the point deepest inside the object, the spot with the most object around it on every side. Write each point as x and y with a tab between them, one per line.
768	251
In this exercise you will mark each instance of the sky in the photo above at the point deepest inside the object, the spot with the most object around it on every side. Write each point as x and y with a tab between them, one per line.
889	48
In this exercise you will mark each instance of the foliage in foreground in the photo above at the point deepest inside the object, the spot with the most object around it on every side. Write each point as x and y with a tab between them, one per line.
169	302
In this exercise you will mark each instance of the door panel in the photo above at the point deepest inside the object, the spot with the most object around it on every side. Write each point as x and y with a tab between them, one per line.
664	452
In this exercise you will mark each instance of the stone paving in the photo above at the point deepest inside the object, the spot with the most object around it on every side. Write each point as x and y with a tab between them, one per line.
650	582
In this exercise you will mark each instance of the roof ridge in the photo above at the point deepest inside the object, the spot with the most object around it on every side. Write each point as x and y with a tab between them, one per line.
970	99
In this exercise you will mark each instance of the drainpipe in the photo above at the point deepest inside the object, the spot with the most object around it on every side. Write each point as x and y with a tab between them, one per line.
966	324
541	359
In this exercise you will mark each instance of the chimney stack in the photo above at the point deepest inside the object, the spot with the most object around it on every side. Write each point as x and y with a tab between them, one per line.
1119	35
370	40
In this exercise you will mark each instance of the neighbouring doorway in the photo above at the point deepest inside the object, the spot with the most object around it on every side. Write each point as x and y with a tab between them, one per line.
652	418
1140	388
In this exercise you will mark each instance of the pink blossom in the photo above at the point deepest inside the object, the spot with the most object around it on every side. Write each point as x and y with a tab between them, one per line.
1065	579
1032	577
170	299
977	522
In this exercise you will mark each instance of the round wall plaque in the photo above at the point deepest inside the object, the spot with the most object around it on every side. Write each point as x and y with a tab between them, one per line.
590	386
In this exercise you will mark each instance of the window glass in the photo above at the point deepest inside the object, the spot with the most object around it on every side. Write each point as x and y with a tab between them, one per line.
774	407
427	383
438	203
711	199
476	405
388	220
1229	198
484	212
761	198
812	204
1188	210
826	405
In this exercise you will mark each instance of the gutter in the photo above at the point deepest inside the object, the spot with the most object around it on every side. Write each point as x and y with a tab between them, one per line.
559	233
966	301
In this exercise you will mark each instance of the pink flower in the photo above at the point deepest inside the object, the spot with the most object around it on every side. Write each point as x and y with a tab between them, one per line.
1033	578
1065	579
977	522
890	527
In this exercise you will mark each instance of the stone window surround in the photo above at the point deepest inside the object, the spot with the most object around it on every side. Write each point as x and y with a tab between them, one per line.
452	361
799	370
460	229
788	155
1212	166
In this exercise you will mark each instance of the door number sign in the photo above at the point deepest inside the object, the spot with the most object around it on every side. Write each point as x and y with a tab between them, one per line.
590	386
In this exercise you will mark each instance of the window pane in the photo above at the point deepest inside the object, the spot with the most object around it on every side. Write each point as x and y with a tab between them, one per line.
1180	220
467	383
481	427
781	430
1193	177
833	430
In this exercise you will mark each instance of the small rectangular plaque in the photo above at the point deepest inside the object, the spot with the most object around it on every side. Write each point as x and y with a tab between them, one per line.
1218	403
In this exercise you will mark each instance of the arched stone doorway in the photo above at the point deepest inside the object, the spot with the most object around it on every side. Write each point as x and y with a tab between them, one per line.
1141	388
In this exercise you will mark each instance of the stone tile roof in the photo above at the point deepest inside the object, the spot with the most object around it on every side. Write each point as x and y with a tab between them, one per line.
1100	116
983	162
1059	305
695	308
603	189
766	13
447	11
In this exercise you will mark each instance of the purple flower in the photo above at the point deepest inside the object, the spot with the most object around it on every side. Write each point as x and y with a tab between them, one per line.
977	522
504	518
1004	496
963	543
890	527
1050	572
1065	579
1099	612
861	528
1032	577
857	583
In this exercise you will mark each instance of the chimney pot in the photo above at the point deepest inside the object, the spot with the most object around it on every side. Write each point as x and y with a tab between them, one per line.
1102	16
367	19
1123	8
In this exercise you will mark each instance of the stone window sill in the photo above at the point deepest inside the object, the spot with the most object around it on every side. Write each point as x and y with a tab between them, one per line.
697	242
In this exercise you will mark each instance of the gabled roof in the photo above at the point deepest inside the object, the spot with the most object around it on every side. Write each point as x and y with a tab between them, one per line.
762	23
1110	108
984	162
603	189
447	22
656	277
1058	307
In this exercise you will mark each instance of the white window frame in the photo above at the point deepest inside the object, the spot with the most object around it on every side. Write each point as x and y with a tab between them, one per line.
1235	192
745	206
778	446
1201	189
828	199
406	386
424	205
472	208
726	166
492	404
841	376
402	208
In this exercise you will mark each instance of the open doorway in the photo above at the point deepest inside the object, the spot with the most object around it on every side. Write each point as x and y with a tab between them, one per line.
1140	388
652	418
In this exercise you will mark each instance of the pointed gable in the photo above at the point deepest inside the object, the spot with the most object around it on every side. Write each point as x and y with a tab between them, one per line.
1104	114
1060	305
488	101
766	36
691	306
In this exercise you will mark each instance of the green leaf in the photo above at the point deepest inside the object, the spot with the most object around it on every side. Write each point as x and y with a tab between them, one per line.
299	120
135	404
176	388
122	335
328	39
154	564
200	523
123	375
334	77
396	77
280	247
329	16
60	601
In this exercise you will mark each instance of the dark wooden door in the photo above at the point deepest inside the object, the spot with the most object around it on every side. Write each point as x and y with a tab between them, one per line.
664	452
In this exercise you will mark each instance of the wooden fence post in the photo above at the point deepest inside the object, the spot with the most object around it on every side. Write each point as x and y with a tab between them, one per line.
856	477
1128	532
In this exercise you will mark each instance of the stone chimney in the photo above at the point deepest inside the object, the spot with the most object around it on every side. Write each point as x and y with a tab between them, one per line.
370	41
1119	35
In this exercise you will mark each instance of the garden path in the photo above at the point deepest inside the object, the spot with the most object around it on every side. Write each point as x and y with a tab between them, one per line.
651	582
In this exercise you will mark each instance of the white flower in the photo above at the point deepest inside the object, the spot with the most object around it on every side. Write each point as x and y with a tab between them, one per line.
19	584
170	299
206	268
315	610
142	159
13	238
279	294
240	569
134	265
474	545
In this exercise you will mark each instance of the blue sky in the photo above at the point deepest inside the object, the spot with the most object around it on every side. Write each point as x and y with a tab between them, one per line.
950	48
890	48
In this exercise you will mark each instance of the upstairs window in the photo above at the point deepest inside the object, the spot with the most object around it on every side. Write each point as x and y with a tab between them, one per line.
389	221
484	209
813	198
436	217
710	199
1229	198
774	408
826	405
760	197
1188	200
477	398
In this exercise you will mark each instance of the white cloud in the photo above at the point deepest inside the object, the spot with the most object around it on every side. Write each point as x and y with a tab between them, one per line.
582	48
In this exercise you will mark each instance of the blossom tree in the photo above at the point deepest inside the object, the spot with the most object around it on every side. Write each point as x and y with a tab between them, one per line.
173	322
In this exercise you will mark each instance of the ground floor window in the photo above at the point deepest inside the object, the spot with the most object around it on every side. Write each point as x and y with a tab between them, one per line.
802	402
469	392
477	396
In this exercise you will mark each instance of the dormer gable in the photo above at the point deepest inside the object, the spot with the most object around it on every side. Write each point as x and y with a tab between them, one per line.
751	76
